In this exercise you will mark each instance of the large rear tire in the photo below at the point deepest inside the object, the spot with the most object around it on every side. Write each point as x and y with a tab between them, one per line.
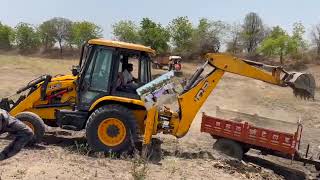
35	123
112	128
229	147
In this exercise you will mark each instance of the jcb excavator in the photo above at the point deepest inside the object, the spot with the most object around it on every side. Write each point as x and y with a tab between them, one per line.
112	114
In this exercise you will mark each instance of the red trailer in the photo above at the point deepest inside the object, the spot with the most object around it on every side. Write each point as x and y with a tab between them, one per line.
236	137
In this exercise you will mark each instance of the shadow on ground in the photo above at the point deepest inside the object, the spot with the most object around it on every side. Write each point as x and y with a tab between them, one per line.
63	141
287	173
79	145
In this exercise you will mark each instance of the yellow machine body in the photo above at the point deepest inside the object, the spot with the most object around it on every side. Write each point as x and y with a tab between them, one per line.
33	100
148	122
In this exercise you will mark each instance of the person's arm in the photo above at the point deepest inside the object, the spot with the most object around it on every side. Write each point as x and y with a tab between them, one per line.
134	79
120	80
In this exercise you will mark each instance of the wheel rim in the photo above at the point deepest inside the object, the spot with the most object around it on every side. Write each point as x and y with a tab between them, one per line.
29	124
112	132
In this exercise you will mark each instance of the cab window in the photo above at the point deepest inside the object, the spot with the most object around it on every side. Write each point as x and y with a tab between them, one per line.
133	71
101	72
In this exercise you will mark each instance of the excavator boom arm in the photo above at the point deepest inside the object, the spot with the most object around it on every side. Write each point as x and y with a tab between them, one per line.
197	92
246	68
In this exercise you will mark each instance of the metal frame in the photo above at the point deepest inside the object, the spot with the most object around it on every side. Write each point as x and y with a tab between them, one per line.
241	133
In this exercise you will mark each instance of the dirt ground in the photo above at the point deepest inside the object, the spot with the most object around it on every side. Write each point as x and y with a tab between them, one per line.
64	154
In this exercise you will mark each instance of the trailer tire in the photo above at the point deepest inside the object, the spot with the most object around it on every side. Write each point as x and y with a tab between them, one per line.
35	122
229	148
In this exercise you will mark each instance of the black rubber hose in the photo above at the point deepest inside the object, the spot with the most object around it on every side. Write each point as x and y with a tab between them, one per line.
194	78
32	83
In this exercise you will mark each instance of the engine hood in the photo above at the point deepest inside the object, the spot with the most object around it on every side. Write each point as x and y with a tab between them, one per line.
64	78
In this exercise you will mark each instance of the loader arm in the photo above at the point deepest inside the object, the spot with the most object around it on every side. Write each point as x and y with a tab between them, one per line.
197	91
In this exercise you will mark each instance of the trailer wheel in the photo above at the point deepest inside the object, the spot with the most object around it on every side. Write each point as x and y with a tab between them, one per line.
35	123
229	147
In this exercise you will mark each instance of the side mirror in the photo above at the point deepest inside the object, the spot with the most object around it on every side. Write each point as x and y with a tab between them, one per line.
75	70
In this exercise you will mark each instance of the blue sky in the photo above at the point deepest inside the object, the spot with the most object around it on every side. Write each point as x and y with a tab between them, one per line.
105	13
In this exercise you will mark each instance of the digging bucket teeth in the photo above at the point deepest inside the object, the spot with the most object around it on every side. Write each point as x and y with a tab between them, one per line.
303	84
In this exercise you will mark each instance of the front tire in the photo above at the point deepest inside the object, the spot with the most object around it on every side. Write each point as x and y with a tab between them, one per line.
35	123
111	128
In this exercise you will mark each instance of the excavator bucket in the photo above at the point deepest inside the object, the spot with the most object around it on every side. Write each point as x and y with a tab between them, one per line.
303	84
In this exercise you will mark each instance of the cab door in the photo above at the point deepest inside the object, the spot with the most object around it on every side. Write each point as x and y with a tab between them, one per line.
145	69
96	78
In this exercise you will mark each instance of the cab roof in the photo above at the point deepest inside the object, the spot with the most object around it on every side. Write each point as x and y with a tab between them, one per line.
124	45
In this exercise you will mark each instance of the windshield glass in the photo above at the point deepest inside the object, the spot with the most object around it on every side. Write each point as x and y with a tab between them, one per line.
86	51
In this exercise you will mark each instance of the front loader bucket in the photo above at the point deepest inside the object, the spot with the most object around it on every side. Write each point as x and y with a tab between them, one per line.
303	84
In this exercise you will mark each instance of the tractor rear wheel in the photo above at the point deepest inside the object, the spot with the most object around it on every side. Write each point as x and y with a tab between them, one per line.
112	128
229	147
35	123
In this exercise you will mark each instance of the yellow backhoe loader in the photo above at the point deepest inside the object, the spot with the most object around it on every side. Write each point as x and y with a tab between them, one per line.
113	115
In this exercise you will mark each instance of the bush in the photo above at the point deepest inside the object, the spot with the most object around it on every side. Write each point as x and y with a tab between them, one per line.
26	37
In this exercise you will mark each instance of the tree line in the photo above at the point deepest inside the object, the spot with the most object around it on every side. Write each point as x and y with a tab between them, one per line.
251	37
56	31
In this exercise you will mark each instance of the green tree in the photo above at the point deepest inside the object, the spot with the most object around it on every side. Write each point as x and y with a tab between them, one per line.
6	33
278	43
207	37
47	34
297	36
234	44
154	35
252	32
181	32
126	31
315	35
83	31
62	31
26	37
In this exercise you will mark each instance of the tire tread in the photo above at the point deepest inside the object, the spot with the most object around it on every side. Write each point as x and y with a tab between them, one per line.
111	108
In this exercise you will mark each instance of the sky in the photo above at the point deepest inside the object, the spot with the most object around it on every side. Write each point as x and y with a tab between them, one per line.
105	13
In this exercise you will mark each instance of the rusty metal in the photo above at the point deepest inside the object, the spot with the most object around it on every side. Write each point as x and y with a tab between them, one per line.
252	135
277	143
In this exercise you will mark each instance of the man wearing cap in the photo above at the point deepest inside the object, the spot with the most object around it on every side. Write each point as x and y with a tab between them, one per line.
23	134
127	75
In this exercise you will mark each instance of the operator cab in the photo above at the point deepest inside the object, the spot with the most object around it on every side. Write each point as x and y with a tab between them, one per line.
112	68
